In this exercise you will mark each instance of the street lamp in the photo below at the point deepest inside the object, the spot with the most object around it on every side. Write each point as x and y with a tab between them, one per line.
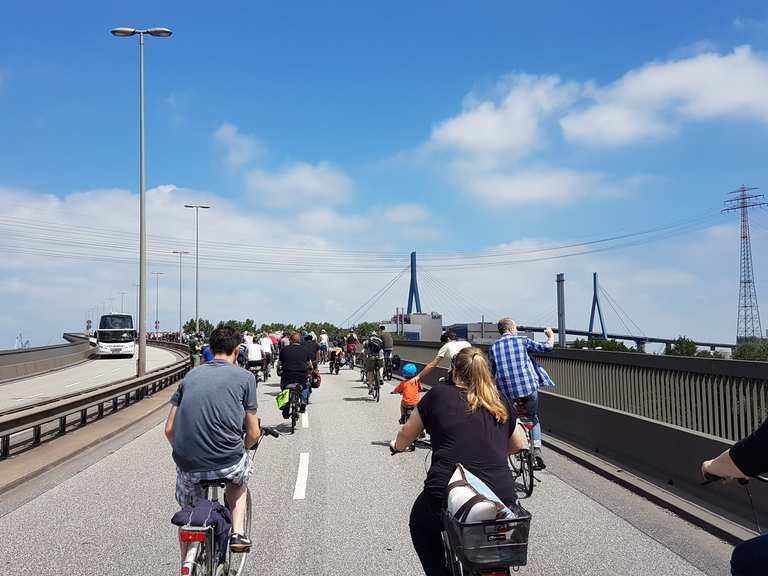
122	302
157	299
180	253
141	367
197	264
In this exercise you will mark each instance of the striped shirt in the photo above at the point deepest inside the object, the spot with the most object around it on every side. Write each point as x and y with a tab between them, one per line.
517	374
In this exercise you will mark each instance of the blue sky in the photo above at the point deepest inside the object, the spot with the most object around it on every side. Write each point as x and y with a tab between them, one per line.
435	126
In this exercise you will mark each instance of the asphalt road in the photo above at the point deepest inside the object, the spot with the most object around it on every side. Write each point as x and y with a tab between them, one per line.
81	377
113	517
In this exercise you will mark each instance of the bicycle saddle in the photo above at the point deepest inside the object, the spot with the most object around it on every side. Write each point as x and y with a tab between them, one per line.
220	482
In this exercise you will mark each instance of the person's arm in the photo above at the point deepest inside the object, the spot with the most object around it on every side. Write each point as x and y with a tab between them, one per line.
518	440
399	388
492	361
542	346
722	466
409	432
748	457
169	425
433	364
252	429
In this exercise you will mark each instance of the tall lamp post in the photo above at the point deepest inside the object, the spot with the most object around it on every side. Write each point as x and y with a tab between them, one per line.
157	299
122	302
141	367
197	263
181	254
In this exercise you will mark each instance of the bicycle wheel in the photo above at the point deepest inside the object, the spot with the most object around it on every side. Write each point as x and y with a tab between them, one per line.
236	560
526	471
376	385
451	561
294	411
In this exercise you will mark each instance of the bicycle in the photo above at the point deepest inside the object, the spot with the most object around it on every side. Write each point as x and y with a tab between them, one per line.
202	556
334	364
487	548
376	386
294	404
388	366
711	478
521	463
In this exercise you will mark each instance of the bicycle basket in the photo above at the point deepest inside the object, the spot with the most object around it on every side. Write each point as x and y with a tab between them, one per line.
492	543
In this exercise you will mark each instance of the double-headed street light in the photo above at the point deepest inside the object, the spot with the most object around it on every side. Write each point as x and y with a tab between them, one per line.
142	312
197	263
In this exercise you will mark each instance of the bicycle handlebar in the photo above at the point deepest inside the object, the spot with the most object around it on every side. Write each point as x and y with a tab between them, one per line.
712	478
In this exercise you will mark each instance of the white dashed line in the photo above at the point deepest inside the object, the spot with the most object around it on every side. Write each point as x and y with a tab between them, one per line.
305	420
300	491
29	397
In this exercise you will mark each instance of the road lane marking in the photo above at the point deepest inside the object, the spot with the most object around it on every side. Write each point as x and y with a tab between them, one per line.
70	385
29	397
300	491
304	420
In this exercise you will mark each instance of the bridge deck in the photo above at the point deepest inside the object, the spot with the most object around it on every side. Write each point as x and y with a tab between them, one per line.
113	516
81	377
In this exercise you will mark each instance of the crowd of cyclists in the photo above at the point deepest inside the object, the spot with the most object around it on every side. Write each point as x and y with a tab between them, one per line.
471	418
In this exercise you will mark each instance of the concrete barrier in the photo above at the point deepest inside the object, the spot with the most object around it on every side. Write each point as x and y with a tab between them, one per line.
15	364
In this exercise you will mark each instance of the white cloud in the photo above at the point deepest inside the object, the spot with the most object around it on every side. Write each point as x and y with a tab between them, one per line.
300	184
654	100
325	220
527	187
509	126
406	213
240	149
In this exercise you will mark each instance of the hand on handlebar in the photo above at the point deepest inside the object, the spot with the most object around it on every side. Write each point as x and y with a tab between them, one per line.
393	450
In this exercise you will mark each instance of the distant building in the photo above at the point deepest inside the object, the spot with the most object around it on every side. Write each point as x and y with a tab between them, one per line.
418	326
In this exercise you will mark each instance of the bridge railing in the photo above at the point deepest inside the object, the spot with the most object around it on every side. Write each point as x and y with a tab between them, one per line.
727	399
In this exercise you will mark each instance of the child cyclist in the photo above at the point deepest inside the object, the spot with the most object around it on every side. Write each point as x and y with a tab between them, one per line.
409	388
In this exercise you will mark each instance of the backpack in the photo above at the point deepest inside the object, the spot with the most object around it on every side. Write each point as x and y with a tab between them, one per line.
375	345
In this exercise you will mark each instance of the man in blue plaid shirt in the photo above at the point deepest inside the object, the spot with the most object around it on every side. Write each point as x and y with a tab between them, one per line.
519	376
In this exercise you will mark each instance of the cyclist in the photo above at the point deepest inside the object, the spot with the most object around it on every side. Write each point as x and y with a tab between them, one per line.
266	353
389	343
451	346
374	357
518	376
208	412
296	361
410	389
468	423
748	457
352	343
285	340
323	346
254	354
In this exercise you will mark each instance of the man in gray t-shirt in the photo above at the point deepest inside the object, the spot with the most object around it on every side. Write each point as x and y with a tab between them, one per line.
212	406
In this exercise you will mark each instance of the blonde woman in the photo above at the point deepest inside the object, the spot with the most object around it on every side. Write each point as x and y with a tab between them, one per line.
469	423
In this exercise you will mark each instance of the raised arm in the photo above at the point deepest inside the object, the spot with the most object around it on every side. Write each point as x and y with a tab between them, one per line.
547	346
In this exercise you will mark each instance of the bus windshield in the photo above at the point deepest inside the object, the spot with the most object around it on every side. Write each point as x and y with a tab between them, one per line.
116	322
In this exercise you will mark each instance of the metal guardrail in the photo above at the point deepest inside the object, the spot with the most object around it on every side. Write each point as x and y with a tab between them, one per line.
58	416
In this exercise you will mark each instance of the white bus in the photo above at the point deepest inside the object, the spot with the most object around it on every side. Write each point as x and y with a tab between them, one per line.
115	336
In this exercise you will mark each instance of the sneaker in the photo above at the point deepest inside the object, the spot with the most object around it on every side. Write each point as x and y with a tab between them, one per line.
239	543
303	408
285	413
538	461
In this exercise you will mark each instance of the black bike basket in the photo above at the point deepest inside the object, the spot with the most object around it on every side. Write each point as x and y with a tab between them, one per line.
493	543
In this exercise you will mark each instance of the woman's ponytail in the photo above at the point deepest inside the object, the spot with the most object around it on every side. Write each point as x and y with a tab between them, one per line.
470	368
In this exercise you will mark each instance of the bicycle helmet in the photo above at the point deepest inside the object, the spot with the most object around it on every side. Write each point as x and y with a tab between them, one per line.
409	370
